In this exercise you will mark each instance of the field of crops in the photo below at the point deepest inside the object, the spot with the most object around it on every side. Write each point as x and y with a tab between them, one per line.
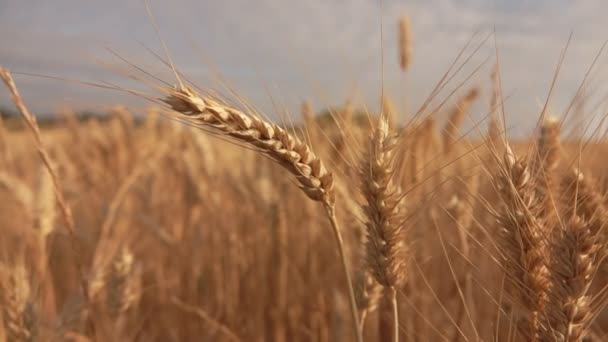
200	219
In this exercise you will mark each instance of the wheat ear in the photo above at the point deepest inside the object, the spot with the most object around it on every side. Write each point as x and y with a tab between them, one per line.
547	161
405	57
384	214
276	143
15	295
450	132
405	43
522	229
579	248
581	191
389	110
575	259
368	293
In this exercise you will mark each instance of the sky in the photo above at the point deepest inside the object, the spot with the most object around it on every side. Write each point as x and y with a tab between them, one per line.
277	53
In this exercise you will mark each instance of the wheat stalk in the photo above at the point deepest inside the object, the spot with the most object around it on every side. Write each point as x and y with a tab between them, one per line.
276	143
65	209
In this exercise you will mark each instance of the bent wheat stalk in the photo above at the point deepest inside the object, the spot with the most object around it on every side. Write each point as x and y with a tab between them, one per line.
64	207
275	142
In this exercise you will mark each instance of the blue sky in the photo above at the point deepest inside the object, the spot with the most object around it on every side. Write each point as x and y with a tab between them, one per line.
289	50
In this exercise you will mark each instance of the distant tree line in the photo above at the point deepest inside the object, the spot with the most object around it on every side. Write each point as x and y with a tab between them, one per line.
11	117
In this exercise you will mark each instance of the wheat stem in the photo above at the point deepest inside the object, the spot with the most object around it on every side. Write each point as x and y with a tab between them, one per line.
331	214
392	293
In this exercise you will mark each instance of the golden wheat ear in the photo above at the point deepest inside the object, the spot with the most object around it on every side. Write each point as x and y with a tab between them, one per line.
578	249
270	139
405	43
15	297
274	142
523	242
384	212
575	259
456	118
383	208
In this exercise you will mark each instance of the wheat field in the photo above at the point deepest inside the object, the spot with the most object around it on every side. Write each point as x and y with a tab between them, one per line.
200	219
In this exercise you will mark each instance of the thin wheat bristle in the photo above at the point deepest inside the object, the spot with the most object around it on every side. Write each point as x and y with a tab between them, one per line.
494	125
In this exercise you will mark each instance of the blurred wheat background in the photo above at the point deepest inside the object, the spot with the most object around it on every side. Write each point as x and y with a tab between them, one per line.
201	219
